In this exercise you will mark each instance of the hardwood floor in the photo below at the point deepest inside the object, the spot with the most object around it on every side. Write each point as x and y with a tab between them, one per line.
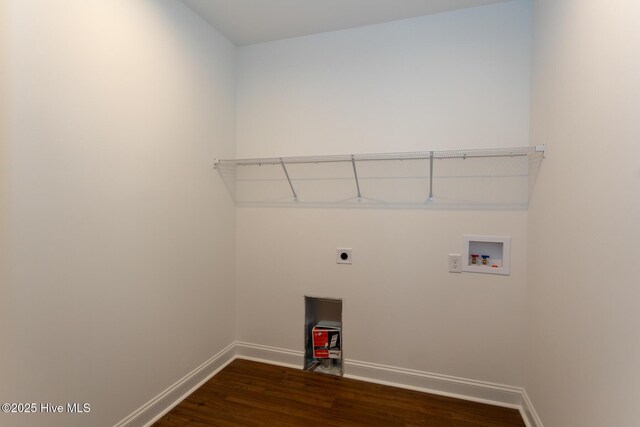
247	393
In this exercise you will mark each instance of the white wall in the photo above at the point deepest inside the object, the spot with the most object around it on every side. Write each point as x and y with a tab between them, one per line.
445	81
4	131
583	364
121	236
453	80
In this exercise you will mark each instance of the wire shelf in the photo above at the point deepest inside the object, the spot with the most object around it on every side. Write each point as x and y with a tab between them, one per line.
492	178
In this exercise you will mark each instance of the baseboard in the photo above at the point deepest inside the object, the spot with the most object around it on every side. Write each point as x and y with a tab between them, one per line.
478	391
272	355
461	388
529	413
153	410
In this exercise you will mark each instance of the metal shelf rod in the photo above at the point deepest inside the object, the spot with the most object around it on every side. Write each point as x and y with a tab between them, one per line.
431	176
284	168
343	159
355	174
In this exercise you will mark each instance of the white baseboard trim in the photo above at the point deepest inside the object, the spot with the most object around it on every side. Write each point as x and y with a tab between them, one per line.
529	413
271	355
445	385
157	407
461	388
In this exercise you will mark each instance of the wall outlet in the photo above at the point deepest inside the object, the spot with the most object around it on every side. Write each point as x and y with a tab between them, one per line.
455	263
343	256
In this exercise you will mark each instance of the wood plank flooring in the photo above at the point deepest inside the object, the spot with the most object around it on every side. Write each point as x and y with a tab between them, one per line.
247	393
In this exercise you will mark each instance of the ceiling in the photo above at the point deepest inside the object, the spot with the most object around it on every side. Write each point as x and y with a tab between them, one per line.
247	22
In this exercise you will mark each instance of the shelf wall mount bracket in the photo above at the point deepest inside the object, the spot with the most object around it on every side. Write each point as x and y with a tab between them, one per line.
430	176
355	175
286	173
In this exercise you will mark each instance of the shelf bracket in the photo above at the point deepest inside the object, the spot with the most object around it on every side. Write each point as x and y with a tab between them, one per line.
355	174
430	176
284	168
542	148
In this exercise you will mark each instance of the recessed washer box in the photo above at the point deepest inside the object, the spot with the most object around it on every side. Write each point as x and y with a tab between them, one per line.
487	254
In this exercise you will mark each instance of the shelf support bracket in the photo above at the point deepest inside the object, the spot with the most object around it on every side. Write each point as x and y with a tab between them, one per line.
355	174
430	176
284	168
